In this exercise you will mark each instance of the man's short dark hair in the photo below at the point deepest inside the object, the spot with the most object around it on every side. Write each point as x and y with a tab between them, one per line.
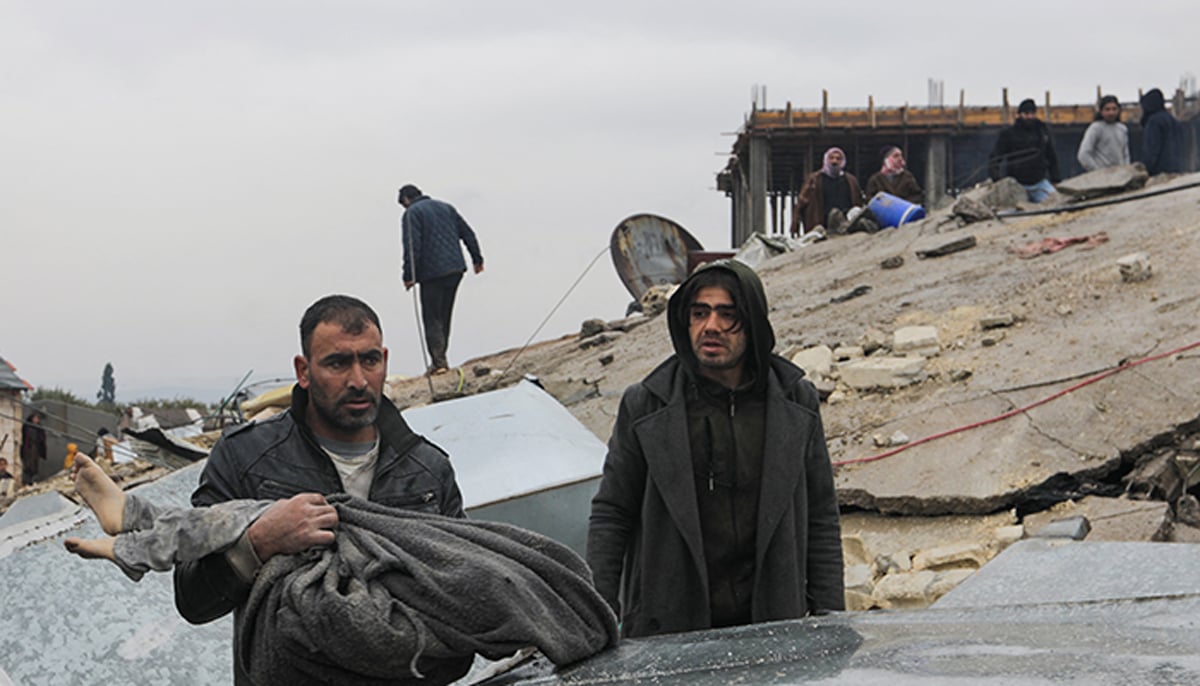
347	311
410	192
1027	106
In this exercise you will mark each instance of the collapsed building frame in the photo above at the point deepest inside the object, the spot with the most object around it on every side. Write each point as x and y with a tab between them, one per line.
947	148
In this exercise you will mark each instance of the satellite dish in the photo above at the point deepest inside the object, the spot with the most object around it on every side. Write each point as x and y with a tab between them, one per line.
648	250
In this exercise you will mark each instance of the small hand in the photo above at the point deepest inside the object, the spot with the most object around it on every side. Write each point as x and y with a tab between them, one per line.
478	268
293	526
408	285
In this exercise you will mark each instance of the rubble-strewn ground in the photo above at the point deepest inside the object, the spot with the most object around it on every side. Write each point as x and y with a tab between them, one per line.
1057	385
1010	332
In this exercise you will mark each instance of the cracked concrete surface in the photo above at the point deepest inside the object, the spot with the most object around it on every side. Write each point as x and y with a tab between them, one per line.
1074	318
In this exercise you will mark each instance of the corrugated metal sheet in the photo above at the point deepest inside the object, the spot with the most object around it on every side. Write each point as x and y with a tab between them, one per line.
69	621
9	378
520	457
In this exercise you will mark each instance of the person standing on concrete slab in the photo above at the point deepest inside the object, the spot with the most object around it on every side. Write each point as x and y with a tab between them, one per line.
431	231
717	506
893	178
340	435
827	195
1106	141
33	447
1162	138
1025	151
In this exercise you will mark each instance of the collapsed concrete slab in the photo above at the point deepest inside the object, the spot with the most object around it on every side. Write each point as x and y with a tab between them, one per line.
1104	181
1112	519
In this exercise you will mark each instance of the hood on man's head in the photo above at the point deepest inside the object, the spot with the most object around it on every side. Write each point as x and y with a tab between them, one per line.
1152	101
749	297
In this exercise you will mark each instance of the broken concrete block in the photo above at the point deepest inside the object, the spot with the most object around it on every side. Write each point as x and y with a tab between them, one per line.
883	372
897	438
1112	519
946	581
854	551
815	361
591	327
971	210
904	590
859	602
1187	510
872	340
965	554
1004	194
1007	535
654	300
627	324
848	352
920	339
825	387
1074	528
859	578
996	321
1104	181
892	563
835	398
1155	477
606	359
1134	267
991	339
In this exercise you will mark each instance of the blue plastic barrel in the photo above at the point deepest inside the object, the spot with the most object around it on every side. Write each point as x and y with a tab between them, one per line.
892	211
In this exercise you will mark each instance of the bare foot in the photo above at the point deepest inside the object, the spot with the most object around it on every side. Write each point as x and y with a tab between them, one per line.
92	549
101	494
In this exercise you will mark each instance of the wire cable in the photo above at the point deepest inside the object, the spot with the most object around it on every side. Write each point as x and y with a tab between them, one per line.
1019	410
552	311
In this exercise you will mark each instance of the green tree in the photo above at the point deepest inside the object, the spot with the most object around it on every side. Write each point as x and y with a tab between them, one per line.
107	395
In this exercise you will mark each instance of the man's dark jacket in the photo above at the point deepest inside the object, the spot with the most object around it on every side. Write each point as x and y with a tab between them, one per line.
1161	136
430	232
1025	151
279	458
645	525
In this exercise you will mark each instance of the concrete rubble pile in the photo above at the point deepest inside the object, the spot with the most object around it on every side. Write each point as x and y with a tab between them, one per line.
1011	390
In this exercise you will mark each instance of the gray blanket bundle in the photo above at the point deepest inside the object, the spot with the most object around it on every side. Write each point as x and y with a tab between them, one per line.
404	597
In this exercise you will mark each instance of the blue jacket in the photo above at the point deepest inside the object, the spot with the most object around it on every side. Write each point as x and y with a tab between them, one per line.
430	233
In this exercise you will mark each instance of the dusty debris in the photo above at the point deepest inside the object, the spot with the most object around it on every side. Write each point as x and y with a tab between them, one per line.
1104	181
591	327
1134	267
948	248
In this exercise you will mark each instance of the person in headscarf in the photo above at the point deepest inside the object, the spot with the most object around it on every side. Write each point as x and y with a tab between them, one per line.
1106	141
1025	151
894	178
831	190
1161	136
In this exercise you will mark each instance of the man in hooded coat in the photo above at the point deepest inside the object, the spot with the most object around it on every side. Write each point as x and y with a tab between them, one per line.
717	506
1161	136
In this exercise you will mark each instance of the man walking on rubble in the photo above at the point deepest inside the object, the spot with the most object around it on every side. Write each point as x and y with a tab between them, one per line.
339	436
430	234
717	506
1025	151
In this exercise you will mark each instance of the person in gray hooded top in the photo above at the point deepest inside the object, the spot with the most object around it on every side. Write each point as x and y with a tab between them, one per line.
716	506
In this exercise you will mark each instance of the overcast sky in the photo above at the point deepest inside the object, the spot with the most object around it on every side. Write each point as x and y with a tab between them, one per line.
179	180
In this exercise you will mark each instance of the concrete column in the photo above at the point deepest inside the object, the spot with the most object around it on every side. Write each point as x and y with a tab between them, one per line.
760	154
936	176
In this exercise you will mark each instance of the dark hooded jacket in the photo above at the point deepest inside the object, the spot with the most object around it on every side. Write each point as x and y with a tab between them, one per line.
1025	151
279	458
651	533
1162	138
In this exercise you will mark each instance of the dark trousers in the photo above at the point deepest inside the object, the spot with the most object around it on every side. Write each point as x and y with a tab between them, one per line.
437	305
